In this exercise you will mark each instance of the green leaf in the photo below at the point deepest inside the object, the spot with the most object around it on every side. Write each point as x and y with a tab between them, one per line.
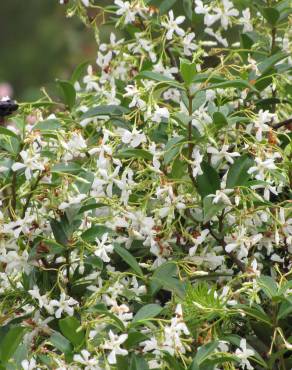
134	153
138	363
211	209
271	15
79	71
61	343
68	92
10	343
70	167
238	84
285	308
101	309
269	62
209	181
129	259
158	77
205	351
147	312
188	71
219	119
6	132
68	327
188	5
94	232
48	125
173	362
165	277
237	174
166	5
256	312
172	149
105	110
59	232
269	286
134	337
94	261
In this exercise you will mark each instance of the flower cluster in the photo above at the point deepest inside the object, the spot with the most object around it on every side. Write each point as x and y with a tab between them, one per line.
146	218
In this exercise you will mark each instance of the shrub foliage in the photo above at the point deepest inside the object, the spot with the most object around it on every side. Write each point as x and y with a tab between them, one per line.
146	217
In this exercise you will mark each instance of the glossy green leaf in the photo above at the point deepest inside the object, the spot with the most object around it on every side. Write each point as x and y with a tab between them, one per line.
188	71
48	125
158	77
134	153
271	15
69	92
219	120
70	167
209	181
59	232
96	231
69	328
79	71
105	110
269	286
129	259
147	312
61	343
237	174
6	132
10	343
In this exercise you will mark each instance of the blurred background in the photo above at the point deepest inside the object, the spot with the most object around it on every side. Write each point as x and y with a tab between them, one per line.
38	45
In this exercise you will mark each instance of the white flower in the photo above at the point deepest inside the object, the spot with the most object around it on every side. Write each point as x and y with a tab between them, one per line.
221	196
188	45
72	200
160	113
223	153
172	25
198	241
102	249
29	364
134	138
245	20
134	93
242	242
63	305
196	163
84	359
261	121
15	262
31	162
200	8
125	10
224	13
262	166
243	353
114	344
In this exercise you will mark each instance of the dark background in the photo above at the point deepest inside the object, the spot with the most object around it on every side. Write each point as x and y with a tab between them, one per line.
39	44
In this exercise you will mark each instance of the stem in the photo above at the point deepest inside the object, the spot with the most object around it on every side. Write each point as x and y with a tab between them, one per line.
32	189
287	122
190	144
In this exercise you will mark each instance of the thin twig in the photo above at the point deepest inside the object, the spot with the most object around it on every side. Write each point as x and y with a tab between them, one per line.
287	122
32	189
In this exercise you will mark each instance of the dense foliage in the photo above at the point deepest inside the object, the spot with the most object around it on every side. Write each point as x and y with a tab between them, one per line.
146	218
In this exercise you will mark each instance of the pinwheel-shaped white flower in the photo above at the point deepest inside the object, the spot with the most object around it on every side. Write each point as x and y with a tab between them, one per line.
84	359
244	353
63	305
30	163
103	248
114	344
172	25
